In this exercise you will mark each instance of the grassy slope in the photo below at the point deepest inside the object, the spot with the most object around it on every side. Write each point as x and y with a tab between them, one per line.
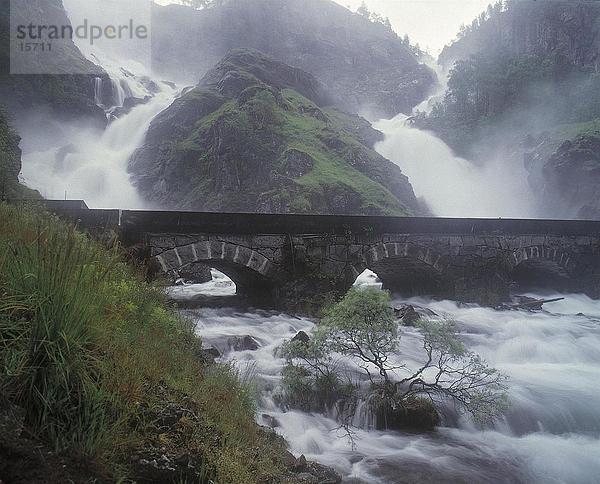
89	350
301	131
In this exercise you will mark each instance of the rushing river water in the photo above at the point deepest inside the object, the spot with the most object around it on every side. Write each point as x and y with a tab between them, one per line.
551	433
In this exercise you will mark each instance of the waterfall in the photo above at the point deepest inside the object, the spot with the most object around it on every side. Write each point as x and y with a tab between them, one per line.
92	165
80	161
98	91
118	93
450	185
453	186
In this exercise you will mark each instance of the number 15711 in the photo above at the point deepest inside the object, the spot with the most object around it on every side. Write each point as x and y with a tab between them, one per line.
35	46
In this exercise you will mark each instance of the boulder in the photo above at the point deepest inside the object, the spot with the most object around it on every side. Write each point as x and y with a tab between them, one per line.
301	337
243	343
209	355
271	421
311	472
417	414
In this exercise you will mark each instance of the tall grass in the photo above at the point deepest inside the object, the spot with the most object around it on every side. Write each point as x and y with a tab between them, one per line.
48	353
84	344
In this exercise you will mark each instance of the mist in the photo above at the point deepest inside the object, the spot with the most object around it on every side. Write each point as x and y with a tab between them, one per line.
452	186
85	163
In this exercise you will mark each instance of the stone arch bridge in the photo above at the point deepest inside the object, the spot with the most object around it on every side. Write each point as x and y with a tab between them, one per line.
303	259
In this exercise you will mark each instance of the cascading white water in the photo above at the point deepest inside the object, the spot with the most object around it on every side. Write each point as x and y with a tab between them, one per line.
551	434
78	161
450	185
98	91
91	165
118	92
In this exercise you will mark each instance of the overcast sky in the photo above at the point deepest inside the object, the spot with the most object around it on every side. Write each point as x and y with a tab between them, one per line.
431	23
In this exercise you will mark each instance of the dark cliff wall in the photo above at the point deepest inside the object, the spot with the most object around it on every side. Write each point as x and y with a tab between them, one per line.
363	64
567	28
66	95
255	136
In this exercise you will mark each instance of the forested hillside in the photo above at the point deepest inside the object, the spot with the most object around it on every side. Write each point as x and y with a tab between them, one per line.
364	64
524	79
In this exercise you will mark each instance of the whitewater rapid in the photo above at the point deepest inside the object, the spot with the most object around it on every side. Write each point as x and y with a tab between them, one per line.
551	434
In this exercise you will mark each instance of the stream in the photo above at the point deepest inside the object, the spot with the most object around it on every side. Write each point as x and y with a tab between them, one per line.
551	433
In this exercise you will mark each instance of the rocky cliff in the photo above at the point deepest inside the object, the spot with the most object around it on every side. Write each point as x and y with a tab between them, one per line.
564	28
364	65
525	84
65	95
256	135
566	174
10	163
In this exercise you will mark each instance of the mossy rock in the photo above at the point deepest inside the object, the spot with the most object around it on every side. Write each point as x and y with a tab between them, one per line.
256	136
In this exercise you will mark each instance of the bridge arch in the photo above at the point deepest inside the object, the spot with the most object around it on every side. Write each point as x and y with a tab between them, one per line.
542	267
405	267
251	272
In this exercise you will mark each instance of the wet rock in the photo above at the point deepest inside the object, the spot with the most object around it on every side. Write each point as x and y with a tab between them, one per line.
417	414
296	163
271	421
324	474
164	457
313	473
196	274
408	315
301	337
157	466
128	105
209	355
301	465
243	343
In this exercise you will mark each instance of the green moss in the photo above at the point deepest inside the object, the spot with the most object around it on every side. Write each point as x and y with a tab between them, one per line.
573	130
235	156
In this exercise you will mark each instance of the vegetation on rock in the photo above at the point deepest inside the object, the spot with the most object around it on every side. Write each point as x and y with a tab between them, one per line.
255	136
10	164
66	95
523	81
363	328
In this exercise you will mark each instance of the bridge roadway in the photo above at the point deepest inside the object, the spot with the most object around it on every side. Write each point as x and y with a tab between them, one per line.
299	260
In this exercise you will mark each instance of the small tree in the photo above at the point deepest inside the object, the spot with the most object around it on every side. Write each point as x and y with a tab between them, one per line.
364	10
311	377
363	327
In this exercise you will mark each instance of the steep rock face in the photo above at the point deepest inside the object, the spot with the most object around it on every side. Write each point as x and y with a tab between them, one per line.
364	65
568	179
66	95
255	136
10	163
565	28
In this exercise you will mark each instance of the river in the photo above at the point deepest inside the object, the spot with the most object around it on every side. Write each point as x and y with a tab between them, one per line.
551	433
